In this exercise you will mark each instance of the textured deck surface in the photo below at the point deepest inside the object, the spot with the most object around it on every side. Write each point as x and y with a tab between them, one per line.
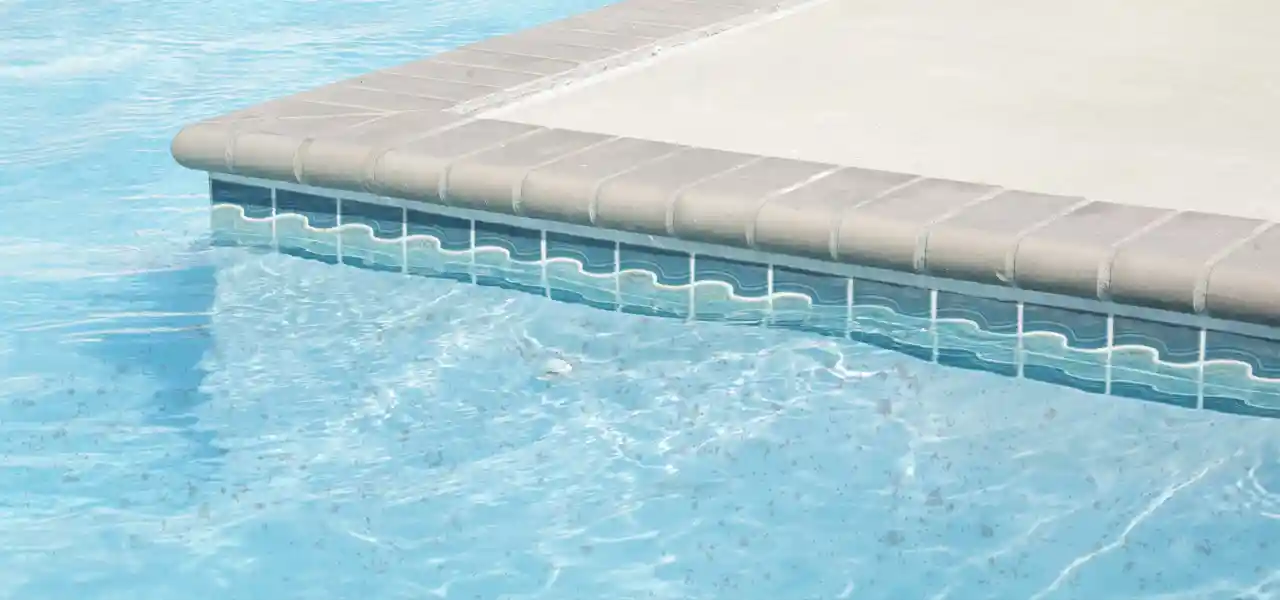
744	140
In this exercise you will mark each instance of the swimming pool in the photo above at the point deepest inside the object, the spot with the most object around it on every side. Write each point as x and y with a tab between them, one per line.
186	421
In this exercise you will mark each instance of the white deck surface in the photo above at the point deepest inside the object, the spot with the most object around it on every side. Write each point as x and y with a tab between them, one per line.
1172	103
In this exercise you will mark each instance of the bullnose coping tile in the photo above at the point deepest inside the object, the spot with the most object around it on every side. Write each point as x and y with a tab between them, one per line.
1243	284
405	132
1164	266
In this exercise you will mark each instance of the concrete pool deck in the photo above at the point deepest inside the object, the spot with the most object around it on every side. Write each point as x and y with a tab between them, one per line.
1121	154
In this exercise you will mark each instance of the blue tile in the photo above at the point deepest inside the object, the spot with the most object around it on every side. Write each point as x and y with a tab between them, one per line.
1264	404
438	246
1261	355
256	201
588	276
1154	392
905	300
378	248
595	256
1065	347
229	226
453	234
808	301
653	281
1155	361
387	222
977	333
1066	375
321	211
522	244
1173	343
895	317
746	279
304	253
517	265
996	316
1242	374
729	290
670	267
1081	329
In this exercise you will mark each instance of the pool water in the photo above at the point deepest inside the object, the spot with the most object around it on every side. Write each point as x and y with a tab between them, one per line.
179	421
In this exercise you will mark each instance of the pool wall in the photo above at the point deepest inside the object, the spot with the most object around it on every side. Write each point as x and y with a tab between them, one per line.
391	171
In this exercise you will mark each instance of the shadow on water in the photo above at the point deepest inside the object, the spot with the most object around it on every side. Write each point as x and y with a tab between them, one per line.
175	306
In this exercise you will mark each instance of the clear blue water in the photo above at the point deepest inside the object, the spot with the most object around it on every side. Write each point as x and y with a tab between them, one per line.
181	422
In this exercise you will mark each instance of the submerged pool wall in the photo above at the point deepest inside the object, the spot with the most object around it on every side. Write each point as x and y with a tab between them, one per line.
391	171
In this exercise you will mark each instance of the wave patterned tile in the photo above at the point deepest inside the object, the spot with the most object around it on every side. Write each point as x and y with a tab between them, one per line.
1094	352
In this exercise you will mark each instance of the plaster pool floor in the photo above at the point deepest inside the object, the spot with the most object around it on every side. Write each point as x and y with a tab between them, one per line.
1148	102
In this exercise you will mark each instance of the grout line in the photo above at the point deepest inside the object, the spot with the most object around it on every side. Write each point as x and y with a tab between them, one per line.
1020	349
1200	364
673	200
693	277
617	276
546	284
933	323
752	225
593	207
1111	345
921	252
338	237
1010	275
1200	295
404	239
768	290
833	237
471	250
275	211
517	190
848	307
442	185
1104	269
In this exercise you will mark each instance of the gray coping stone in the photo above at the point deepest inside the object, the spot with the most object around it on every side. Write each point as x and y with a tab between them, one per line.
448	92
618	24
345	159
416	170
1164	267
1245	284
483	76
642	199
565	189
400	132
345	94
889	231
506	61
293	108
804	221
976	244
686	15
1068	255
723	209
491	179
558	34
254	146
541	45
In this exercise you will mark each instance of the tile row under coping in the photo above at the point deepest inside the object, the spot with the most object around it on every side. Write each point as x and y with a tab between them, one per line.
1182	261
1090	349
397	132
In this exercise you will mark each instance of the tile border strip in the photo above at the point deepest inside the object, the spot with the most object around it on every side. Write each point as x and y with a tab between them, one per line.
1132	355
399	133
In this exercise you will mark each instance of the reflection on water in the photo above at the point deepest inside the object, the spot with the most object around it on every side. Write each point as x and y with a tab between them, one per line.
176	423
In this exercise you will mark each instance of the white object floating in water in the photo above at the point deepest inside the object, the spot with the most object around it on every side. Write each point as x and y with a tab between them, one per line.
555	367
